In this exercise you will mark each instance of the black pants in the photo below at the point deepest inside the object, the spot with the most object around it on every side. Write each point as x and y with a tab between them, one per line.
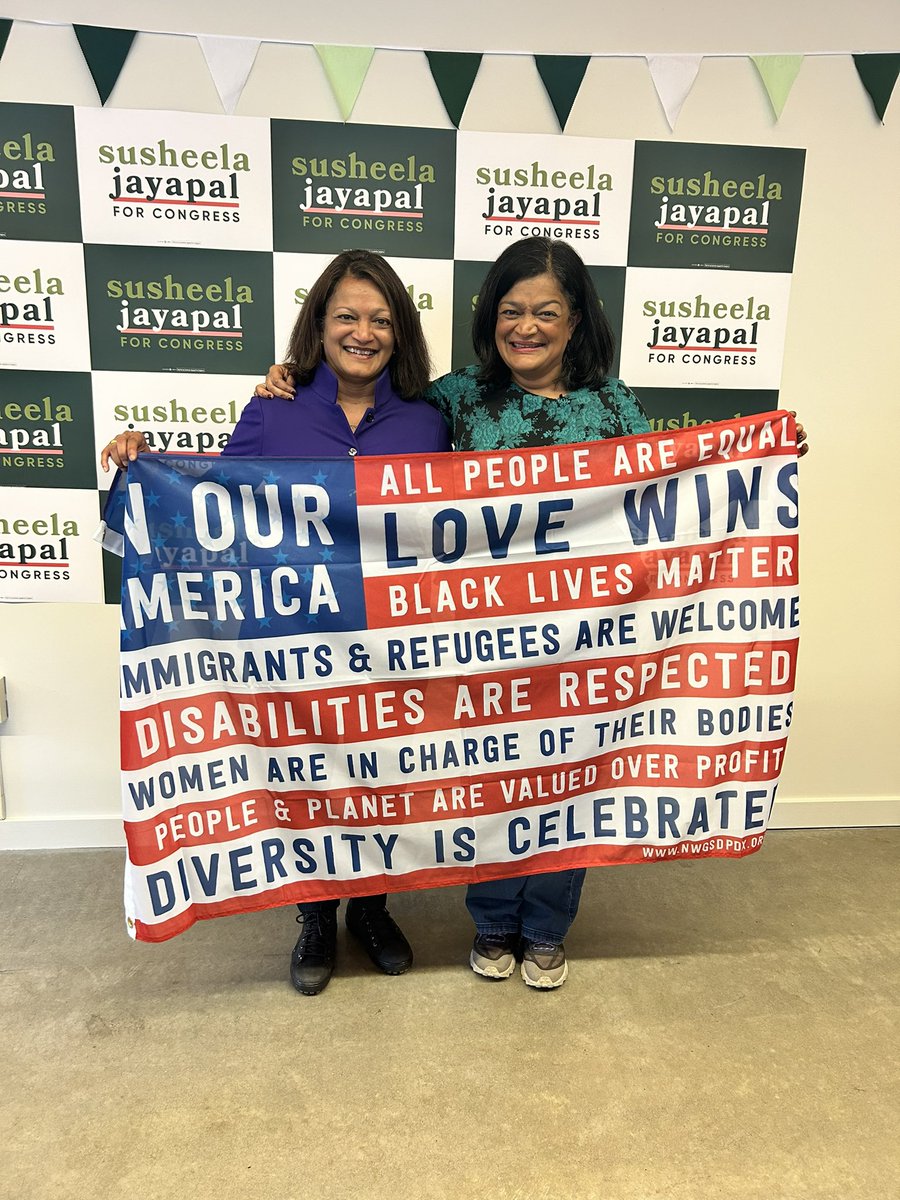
317	906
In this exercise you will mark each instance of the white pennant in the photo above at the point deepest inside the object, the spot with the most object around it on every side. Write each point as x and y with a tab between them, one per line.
673	77
230	61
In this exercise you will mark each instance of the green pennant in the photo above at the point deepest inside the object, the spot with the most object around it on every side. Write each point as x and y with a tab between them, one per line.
5	27
454	75
562	75
778	72
878	73
105	51
346	68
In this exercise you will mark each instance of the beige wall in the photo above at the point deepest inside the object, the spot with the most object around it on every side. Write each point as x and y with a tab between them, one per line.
59	747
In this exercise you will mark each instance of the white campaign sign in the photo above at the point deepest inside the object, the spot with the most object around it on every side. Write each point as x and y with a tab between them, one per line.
43	307
47	551
510	186
174	179
178	414
704	329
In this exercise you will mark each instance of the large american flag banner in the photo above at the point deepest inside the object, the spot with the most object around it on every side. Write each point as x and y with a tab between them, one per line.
346	676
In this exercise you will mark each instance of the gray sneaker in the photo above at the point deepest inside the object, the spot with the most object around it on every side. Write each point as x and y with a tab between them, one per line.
544	964
494	955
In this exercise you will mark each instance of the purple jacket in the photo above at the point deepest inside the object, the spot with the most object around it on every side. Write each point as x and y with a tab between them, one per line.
313	425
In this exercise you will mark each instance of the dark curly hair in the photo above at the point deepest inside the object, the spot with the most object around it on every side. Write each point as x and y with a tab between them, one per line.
589	353
410	365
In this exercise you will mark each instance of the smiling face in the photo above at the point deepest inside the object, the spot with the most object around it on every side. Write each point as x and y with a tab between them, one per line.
357	334
534	324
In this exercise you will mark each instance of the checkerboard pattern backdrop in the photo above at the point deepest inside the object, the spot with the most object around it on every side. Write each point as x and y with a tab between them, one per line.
152	265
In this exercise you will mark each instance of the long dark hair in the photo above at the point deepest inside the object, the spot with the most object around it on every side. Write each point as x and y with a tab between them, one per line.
410	364
589	353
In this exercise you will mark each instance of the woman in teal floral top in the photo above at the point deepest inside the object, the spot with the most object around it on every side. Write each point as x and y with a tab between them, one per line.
544	347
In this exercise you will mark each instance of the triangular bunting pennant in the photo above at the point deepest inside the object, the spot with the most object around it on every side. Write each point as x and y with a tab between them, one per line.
346	68
561	75
5	27
230	61
454	75
673	77
105	51
778	72
878	73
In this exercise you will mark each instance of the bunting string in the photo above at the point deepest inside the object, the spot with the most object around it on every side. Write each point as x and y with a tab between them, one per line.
230	61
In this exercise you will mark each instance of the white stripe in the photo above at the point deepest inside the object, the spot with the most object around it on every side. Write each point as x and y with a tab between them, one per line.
537	830
522	737
377	644
595	524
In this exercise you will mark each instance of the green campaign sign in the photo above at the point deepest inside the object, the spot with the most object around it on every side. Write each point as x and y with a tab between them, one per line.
706	206
38	174
682	408
385	189
47	430
152	309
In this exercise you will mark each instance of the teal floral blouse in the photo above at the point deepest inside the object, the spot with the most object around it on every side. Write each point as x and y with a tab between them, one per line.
486	417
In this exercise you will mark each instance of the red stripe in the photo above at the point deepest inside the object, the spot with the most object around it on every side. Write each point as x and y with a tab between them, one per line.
487	474
605	580
544	220
729	348
189	332
361	212
590	856
711	228
159	200
185	725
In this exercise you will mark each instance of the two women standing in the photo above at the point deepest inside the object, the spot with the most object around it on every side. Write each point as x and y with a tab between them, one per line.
356	382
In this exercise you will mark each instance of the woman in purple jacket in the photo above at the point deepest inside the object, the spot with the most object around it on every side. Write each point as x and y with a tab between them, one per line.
360	361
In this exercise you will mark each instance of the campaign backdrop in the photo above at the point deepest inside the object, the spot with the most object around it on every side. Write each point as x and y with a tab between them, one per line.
347	676
153	263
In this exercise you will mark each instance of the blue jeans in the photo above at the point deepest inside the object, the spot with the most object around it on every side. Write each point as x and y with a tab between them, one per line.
539	907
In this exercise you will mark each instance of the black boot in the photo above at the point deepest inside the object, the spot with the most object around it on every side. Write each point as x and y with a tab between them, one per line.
380	936
312	959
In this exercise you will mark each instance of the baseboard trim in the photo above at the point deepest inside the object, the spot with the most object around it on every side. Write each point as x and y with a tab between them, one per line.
71	833
836	812
833	812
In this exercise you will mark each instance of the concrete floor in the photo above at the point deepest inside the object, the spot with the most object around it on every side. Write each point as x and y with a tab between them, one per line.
728	1032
